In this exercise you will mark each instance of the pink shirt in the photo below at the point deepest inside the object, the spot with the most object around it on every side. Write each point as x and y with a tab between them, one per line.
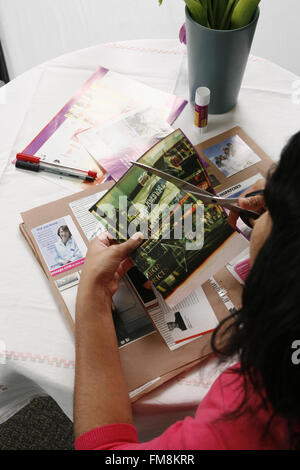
207	430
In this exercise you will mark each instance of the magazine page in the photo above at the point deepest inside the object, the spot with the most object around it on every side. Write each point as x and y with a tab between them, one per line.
104	96
195	316
118	142
183	237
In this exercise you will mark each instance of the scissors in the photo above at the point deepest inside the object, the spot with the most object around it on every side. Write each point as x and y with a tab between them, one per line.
205	196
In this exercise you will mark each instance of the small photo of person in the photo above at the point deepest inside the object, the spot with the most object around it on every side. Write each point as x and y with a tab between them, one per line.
177	323
66	247
60	244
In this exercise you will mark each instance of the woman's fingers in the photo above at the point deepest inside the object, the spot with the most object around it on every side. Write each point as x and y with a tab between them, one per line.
106	238
233	218
255	203
252	202
125	266
122	250
126	248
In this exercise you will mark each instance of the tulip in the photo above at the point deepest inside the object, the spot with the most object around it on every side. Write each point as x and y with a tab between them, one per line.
225	23
243	13
182	34
198	11
219	11
220	14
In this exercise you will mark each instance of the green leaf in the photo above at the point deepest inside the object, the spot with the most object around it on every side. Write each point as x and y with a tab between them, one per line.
220	7
221	14
198	11
214	9
225	23
243	13
211	16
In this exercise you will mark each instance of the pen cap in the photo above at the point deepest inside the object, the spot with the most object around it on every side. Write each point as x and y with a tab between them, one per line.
202	96
27	166
28	158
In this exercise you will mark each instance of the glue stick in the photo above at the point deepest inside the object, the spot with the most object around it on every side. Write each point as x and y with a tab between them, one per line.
202	100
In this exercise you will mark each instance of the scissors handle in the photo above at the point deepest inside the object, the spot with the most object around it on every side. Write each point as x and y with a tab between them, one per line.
244	214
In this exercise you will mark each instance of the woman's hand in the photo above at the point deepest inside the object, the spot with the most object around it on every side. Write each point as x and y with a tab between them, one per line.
101	391
253	203
106	262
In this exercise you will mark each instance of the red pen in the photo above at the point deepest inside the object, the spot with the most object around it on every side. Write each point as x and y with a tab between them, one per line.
31	163
23	157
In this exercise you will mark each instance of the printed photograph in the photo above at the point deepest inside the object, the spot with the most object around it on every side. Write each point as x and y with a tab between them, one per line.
177	322
60	244
184	323
231	156
157	208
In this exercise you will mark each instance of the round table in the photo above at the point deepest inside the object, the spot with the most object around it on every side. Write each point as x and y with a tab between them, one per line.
36	343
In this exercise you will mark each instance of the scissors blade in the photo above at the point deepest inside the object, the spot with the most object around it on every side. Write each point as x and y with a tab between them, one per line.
204	196
188	187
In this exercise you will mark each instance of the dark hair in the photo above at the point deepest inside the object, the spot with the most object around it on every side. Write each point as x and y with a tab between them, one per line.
65	228
263	330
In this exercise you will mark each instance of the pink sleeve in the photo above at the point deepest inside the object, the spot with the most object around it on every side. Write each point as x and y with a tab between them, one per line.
202	432
113	436
189	434
207	431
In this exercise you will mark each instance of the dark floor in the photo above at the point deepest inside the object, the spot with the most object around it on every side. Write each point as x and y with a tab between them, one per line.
41	425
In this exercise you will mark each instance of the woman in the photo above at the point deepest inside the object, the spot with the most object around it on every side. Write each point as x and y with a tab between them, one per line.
66	249
253	405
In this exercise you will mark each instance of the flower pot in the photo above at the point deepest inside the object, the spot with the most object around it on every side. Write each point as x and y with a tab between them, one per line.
217	59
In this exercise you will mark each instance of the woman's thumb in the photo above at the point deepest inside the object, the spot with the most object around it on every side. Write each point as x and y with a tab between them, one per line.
253	202
130	245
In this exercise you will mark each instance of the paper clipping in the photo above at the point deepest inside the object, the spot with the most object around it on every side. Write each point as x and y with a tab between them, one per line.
231	156
61	245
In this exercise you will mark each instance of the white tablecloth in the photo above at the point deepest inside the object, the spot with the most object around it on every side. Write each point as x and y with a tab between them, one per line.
36	343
